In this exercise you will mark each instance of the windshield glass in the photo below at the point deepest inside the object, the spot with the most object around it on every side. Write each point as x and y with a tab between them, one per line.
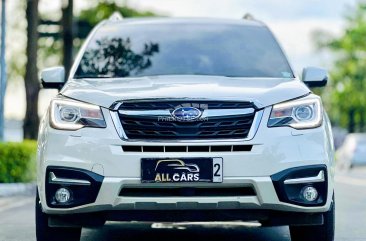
133	50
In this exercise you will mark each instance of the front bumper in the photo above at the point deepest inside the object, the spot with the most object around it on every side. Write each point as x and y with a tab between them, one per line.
99	151
110	198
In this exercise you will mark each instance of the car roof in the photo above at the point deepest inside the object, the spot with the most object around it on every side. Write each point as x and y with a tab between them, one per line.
183	21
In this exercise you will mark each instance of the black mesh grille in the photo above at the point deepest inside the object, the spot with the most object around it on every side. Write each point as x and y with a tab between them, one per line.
187	192
150	127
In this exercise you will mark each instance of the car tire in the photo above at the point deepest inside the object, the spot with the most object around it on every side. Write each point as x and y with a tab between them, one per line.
46	233
324	232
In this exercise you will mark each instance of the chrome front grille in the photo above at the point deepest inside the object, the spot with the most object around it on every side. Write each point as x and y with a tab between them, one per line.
152	120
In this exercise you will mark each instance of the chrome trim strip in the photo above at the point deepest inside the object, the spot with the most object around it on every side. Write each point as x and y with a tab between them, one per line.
143	113
256	103
117	124
255	125
205	113
226	112
56	180
116	107
319	178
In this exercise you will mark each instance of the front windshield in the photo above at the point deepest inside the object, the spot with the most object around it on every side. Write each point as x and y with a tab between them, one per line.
134	50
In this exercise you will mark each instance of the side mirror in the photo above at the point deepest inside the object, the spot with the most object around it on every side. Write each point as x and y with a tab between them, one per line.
315	77
53	78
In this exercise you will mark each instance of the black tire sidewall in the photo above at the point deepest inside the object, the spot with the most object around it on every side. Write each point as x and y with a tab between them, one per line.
46	233
324	232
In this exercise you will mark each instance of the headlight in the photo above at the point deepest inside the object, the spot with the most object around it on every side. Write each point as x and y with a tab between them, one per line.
299	114
74	115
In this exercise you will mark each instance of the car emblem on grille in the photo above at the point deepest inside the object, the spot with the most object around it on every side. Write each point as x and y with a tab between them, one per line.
186	113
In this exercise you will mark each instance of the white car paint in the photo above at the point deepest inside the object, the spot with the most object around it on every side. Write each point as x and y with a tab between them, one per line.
262	91
100	149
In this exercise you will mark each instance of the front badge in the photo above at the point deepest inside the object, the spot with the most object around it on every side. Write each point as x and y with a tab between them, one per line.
186	114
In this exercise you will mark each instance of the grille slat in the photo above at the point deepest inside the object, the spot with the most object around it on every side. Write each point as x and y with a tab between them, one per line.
151	127
222	148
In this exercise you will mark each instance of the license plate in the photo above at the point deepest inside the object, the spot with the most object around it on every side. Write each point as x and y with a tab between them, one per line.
170	170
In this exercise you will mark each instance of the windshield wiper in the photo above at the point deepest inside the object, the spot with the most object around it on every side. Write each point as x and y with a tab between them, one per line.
94	76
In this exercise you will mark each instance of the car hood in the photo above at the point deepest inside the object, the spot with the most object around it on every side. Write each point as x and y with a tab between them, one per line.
262	91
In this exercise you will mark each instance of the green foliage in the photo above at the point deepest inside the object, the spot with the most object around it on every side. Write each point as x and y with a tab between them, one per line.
115	57
17	162
105	9
50	49
16	29
345	96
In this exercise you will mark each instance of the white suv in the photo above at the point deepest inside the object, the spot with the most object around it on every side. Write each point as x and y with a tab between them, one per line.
170	119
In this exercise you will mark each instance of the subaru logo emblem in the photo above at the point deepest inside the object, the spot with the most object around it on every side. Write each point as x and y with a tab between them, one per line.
186	113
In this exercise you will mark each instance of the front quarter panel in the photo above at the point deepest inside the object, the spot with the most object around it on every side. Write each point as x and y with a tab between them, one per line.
41	146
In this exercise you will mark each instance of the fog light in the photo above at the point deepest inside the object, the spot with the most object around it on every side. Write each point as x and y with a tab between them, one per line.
62	195
309	193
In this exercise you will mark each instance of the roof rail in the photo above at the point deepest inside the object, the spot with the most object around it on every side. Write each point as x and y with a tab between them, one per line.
249	16
116	16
